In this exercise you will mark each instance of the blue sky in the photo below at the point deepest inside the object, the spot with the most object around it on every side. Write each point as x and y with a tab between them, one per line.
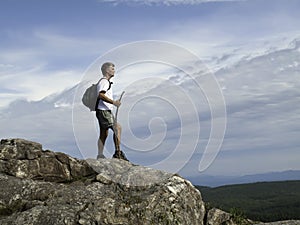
61	38
47	46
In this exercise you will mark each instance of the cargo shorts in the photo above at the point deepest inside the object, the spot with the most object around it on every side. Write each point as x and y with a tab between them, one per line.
105	118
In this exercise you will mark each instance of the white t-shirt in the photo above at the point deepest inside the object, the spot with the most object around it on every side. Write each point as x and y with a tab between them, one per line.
104	85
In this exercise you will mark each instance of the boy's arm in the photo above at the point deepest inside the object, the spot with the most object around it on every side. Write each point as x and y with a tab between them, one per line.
104	98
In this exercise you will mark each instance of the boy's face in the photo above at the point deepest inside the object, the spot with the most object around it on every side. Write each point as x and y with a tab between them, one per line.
111	71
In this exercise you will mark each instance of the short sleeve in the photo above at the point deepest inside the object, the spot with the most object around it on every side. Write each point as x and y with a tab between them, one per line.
103	85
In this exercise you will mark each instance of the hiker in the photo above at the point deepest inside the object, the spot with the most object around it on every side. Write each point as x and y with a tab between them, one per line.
104	107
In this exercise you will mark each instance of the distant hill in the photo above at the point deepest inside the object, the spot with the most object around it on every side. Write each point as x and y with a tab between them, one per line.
214	181
263	201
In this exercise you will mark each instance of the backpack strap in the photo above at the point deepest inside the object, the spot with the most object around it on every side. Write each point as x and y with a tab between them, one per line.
98	99
110	83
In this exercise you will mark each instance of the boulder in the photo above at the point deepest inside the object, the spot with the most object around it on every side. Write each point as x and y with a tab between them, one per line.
286	222
218	217
45	187
26	159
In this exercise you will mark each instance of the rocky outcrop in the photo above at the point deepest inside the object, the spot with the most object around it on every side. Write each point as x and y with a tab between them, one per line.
286	222
217	216
26	159
45	187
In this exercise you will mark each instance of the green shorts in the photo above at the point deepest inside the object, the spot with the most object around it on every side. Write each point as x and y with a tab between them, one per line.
105	118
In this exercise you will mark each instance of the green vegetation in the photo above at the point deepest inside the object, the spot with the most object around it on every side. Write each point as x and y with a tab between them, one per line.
265	201
238	216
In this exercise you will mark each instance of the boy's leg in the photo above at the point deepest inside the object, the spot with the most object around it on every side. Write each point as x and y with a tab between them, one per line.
117	136
117	140
101	141
105	121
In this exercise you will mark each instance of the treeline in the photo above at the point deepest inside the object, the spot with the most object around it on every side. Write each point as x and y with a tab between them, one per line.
264	201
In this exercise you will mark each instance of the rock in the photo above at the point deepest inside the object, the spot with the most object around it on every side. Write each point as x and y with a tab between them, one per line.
26	159
19	149
125	173
286	222
44	187
217	217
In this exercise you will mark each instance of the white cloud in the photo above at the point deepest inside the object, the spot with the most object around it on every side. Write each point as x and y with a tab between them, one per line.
261	96
46	63
35	83
262	119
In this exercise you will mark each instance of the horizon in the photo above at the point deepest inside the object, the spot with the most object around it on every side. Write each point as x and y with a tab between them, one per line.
48	50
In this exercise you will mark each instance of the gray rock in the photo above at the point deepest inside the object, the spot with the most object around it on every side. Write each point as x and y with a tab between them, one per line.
108	191
26	159
217	217
286	222
127	174
19	149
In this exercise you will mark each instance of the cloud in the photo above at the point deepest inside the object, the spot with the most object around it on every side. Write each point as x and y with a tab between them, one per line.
44	62
165	2
51	47
260	85
52	127
41	52
35	83
262	119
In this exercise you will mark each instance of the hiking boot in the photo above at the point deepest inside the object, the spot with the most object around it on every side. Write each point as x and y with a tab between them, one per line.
120	155
101	156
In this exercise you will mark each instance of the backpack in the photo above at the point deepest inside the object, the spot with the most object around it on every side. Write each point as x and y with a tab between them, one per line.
90	96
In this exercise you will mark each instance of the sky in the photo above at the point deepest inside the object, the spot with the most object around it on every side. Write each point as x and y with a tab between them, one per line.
47	47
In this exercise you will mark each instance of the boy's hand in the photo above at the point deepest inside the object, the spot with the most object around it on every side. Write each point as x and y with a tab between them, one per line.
117	103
